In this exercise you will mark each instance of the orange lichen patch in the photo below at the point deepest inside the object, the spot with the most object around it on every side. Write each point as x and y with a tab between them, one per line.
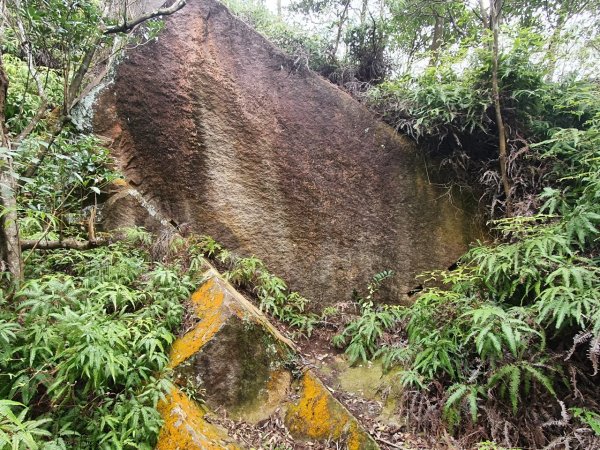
209	298
208	302
317	415
186	429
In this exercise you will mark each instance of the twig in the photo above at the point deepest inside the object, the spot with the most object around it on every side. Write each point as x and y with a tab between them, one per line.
383	441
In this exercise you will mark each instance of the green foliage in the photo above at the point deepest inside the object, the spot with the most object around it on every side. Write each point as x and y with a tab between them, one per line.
308	50
272	292
23	100
589	418
16	432
489	332
367	50
362	335
84	340
70	180
86	346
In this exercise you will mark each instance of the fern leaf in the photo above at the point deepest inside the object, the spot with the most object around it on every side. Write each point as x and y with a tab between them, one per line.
515	383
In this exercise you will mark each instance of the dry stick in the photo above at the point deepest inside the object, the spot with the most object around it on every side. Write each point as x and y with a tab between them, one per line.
388	443
70	244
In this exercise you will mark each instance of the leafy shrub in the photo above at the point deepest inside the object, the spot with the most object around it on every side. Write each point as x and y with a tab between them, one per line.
362	335
516	326
85	346
449	108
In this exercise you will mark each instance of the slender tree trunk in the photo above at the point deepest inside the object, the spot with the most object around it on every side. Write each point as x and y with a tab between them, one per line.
495	10
279	8
338	37
484	14
10	246
437	40
553	44
363	12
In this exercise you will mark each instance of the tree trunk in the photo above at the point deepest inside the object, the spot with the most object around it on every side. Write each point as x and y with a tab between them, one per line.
363	12
495	10
10	247
338	37
279	8
437	40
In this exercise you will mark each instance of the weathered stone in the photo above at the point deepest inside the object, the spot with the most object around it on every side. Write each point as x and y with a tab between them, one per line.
233	353
221	130
238	362
186	429
317	415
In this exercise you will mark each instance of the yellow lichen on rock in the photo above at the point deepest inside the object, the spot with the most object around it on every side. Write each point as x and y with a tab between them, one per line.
208	302
186	429
237	360
317	415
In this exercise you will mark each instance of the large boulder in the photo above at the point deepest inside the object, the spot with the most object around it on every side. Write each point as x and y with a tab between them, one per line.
219	129
235	360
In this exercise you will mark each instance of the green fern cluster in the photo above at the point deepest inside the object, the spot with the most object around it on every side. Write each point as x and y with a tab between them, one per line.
84	354
362	335
272	292
515	329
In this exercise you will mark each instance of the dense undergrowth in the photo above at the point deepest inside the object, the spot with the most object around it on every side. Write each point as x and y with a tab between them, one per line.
86	338
450	112
85	344
507	346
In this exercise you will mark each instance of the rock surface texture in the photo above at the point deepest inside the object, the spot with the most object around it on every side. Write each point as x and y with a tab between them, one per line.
242	367
221	130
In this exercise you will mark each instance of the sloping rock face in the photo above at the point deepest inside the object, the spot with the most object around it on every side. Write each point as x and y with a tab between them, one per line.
221	130
241	365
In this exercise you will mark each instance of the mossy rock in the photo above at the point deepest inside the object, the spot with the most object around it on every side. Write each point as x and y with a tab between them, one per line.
238	362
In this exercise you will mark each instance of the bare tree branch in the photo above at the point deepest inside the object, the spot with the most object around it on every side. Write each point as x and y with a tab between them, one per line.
81	72
128	26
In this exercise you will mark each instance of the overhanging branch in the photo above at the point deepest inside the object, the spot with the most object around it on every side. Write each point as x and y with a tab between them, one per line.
128	26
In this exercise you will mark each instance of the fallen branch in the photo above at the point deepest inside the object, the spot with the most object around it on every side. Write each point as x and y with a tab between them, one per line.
70	244
126	27
389	444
